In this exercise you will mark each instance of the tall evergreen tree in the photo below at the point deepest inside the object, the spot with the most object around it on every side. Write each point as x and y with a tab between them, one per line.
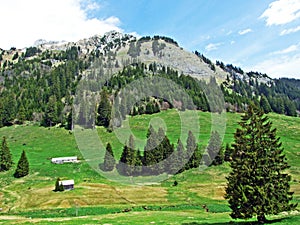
51	114
22	167
5	156
109	160
192	152
138	163
58	186
104	110
150	151
257	185
181	156
127	161
214	149
264	104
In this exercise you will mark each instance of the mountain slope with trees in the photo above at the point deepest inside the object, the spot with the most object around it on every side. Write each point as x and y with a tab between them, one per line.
39	83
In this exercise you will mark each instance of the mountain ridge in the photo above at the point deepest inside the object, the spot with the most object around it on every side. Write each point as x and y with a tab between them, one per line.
36	78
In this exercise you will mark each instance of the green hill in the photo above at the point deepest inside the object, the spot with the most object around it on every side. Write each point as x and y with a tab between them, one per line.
96	199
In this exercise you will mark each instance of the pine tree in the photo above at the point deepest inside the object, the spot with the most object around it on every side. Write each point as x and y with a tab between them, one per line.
181	157
57	184
51	114
104	110
127	161
192	151
109	160
22	167
138	163
214	149
69	125
257	185
150	151
5	156
264	104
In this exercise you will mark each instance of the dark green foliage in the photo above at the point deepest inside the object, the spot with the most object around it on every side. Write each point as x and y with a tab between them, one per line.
61	187
192	152
214	149
257	185
264	104
104	110
51	114
22	167
69	125
126	165
58	186
227	153
273	95
31	51
15	56
5	156
109	160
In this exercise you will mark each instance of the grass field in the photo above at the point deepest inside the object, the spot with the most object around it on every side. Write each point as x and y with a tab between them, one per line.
97	200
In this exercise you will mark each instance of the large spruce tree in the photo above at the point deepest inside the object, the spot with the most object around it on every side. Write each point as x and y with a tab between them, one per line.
5	156
22	167
257	185
104	110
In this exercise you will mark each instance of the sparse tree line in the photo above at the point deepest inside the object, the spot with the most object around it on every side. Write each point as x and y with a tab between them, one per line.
161	156
6	162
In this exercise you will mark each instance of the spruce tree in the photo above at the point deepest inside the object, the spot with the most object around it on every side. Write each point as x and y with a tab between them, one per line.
181	157
51	113
127	161
109	160
138	163
257	185
57	184
192	152
22	167
214	149
104	110
5	156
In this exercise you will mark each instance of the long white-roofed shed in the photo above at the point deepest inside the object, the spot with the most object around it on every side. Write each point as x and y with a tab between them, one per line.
61	160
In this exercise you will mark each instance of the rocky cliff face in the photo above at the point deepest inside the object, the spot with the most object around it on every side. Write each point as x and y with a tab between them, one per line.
119	50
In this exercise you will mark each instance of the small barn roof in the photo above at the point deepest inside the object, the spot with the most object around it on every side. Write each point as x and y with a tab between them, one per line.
66	182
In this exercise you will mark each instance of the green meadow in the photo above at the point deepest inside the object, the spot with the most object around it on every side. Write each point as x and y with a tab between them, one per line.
97	200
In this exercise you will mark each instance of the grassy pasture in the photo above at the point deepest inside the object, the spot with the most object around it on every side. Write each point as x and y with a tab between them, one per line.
98	200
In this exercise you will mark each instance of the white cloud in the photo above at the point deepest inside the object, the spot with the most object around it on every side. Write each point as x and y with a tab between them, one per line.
281	12
246	31
23	22
289	31
212	46
287	50
285	66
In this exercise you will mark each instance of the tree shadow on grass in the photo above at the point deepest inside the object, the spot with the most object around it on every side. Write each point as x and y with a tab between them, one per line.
237	222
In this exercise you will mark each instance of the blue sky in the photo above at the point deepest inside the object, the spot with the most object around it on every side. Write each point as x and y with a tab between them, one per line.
255	35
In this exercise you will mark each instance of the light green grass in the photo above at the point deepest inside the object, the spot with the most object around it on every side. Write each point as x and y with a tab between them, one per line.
99	198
